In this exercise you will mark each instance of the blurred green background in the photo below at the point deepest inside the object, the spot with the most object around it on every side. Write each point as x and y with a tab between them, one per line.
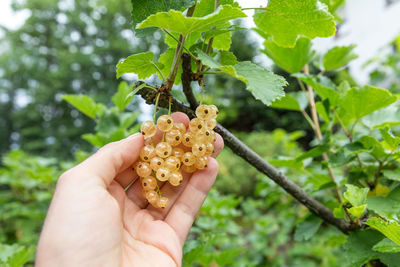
72	49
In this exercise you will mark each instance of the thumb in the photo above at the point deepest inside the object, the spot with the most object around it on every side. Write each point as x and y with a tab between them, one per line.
111	159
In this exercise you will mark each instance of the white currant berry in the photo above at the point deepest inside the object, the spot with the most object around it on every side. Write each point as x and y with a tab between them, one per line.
203	112
163	149
173	137
188	169
147	153
201	162
165	123
149	183
156	163
199	149
148	129
163	174
143	169
197	125
172	163
188	159
175	178
162	202
180	127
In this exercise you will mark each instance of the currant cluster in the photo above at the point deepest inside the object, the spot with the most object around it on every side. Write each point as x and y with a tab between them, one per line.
180	150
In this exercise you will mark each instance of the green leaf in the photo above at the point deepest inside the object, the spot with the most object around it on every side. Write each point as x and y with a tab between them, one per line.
286	20
393	175
227	58
176	21
358	249
375	147
84	104
222	41
318	180
307	228
391	229
322	85
142	9
314	152
215	32
214	64
390	139
385	117
388	207
357	211
290	59
386	246
355	196
359	102
122	98
166	59
322	112
141	64
262	83
338	57
292	101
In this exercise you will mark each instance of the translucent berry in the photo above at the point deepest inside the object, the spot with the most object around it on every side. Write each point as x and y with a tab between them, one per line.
143	169
162	202
172	163
177	152
180	127
207	137
214	111
173	137
187	139
163	149
147	153
203	112
209	149
165	123
149	183
197	125
156	163
201	162
188	159
148	129
188	169
175	178
152	197
211	123
199	149
163	174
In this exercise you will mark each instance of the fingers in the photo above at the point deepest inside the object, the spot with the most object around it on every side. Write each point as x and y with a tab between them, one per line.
105	164
183	212
218	145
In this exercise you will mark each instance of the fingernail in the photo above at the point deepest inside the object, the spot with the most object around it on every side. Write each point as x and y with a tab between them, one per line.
133	136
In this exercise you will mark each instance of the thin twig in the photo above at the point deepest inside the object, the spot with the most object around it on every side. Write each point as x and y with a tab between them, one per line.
318	133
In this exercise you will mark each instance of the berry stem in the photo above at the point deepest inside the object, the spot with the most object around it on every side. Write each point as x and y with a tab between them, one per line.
159	71
155	108
159	191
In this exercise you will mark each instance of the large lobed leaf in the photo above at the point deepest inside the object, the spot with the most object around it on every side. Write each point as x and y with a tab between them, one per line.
176	21
141	64
287	19
290	59
84	104
391	229
358	102
261	82
339	57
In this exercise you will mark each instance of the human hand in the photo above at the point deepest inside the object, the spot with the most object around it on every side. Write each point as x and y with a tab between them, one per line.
93	221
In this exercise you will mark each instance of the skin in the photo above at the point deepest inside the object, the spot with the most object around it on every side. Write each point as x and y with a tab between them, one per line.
93	221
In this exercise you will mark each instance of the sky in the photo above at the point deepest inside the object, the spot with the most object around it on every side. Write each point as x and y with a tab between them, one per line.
369	24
